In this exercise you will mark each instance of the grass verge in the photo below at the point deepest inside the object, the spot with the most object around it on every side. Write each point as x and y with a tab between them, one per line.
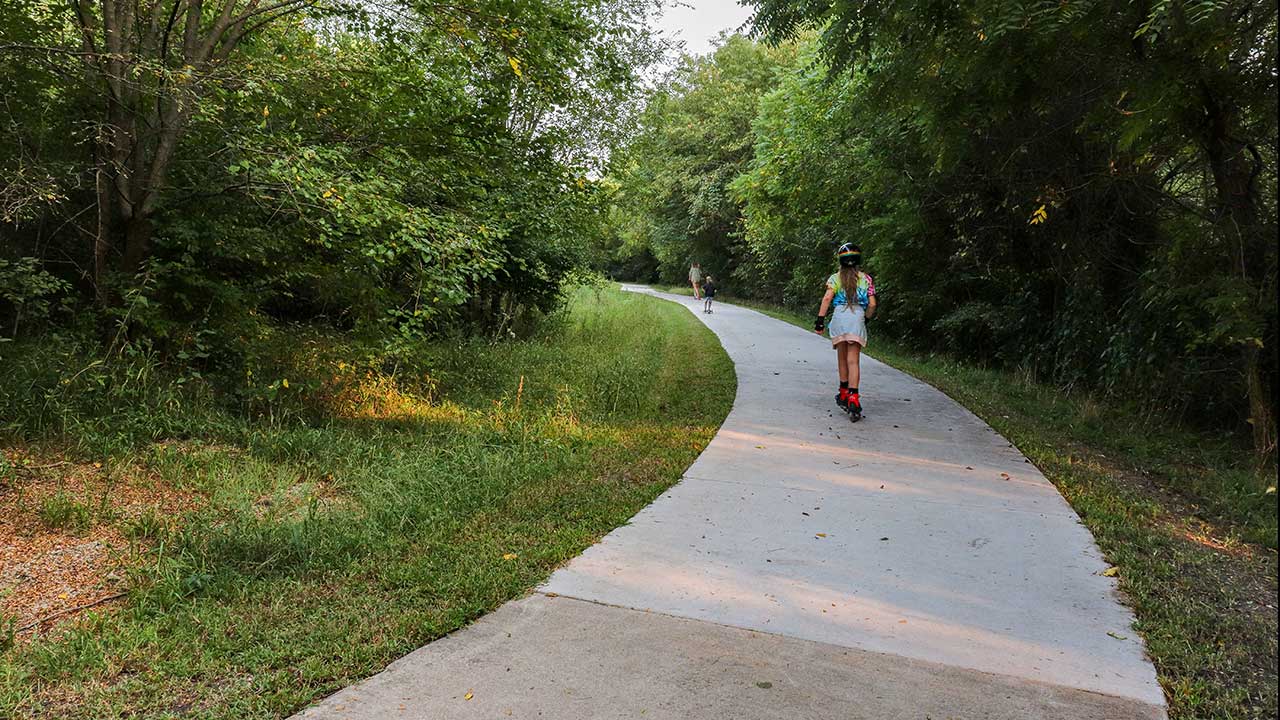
309	554
1188	518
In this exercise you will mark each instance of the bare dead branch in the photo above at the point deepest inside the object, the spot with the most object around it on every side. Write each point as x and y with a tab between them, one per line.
68	611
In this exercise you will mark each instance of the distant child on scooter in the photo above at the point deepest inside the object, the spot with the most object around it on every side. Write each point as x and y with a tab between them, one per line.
709	292
853	295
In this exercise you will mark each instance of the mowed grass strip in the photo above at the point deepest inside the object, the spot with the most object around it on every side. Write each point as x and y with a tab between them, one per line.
321	553
1188	518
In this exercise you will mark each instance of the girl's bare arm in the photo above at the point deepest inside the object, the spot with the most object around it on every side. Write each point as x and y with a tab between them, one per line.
826	302
871	307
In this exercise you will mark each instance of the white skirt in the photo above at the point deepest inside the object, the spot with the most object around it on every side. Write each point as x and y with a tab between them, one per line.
848	324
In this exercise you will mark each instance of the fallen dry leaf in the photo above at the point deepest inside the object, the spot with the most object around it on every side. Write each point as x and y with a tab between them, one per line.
510	556
1111	572
468	696
821	535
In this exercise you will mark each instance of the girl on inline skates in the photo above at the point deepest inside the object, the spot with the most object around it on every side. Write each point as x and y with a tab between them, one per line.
853	295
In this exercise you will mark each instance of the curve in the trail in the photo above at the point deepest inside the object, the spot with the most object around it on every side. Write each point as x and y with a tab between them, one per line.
919	532
913	564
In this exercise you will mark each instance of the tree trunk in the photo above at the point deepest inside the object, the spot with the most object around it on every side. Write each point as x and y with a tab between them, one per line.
142	122
102	238
137	243
1235	168
1261	416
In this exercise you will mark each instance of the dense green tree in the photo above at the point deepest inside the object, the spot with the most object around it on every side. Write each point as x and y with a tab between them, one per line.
694	138
1150	129
1086	190
394	166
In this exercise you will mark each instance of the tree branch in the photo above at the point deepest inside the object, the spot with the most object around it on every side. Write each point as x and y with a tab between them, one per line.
68	611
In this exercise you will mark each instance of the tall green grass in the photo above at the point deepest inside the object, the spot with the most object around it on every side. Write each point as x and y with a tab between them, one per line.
327	546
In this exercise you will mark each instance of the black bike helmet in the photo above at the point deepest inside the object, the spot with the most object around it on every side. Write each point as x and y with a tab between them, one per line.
850	255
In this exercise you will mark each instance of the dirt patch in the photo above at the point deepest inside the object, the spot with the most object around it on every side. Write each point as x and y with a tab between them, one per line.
66	532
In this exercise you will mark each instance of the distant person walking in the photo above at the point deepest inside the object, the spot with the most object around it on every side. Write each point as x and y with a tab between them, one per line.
709	290
853	295
695	279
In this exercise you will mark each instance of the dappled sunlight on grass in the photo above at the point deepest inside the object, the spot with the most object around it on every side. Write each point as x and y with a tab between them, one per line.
380	397
376	505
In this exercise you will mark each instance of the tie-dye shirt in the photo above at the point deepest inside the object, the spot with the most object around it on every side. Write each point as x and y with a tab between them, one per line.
865	291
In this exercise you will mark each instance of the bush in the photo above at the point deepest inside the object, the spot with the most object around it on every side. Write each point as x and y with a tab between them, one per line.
29	296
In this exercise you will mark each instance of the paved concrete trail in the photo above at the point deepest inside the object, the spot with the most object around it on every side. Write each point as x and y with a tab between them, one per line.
913	565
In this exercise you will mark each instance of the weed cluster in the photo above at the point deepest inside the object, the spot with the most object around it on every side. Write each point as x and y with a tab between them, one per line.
61	511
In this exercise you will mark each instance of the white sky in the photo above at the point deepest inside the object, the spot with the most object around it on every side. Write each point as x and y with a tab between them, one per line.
698	22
